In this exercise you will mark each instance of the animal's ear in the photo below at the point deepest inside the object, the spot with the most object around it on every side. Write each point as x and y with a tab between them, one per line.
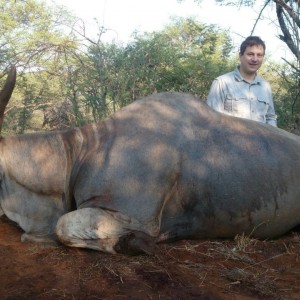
6	92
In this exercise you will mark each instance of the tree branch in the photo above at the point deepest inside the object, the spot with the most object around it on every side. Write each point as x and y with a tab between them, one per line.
260	13
293	15
286	37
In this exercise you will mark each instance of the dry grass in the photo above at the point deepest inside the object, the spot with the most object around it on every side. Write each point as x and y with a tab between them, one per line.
243	242
242	263
232	269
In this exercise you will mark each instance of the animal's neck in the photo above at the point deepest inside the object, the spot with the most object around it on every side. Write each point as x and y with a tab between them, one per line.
38	161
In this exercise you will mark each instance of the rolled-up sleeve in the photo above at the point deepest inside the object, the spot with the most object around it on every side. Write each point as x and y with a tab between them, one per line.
215	98
271	115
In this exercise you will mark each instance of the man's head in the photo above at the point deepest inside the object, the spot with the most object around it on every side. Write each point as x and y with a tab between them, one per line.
252	41
251	55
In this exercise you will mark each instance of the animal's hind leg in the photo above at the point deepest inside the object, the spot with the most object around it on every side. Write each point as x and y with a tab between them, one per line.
103	230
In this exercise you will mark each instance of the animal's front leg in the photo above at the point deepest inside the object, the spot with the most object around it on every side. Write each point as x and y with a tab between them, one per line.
103	230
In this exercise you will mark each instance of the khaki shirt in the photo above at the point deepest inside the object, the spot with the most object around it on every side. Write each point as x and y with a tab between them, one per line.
231	94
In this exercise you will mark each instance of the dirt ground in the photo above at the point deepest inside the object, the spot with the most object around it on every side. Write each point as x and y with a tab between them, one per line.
241	269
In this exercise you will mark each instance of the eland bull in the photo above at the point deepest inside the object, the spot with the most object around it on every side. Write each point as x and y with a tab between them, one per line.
163	168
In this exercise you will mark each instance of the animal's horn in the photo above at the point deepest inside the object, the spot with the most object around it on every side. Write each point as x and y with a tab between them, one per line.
6	92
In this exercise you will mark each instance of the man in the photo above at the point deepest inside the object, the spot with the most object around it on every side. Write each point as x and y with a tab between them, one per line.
242	92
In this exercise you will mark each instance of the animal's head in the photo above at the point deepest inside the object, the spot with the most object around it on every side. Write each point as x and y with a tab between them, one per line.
6	92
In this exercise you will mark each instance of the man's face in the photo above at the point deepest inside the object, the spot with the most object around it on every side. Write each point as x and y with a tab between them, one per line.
252	59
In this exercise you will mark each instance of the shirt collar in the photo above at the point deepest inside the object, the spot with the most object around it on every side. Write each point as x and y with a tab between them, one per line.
238	76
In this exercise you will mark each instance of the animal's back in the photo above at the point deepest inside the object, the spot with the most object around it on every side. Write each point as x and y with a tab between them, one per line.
173	160
237	176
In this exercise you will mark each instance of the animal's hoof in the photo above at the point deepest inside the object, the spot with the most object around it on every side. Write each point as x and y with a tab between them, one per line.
134	243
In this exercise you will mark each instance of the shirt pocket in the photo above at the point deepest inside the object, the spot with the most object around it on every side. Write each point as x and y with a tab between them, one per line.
237	105
261	106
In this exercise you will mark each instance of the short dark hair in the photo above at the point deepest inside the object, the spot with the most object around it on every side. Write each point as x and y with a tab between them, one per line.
251	41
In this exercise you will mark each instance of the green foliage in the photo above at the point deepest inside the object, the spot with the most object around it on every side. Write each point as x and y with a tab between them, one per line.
185	56
33	36
285	86
288	100
30	34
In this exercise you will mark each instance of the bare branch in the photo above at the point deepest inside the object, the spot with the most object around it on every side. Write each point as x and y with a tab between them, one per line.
291	65
286	37
293	15
259	15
